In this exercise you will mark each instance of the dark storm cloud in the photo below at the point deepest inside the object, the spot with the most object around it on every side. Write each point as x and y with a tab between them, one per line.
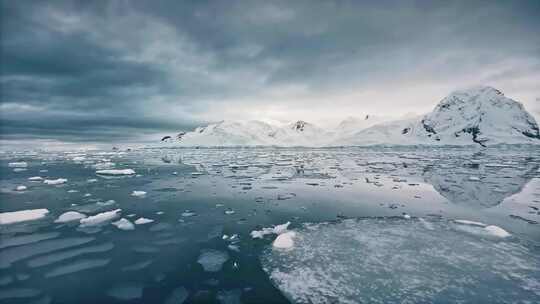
98	69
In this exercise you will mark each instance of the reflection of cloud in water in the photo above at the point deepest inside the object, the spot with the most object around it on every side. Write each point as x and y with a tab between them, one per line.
479	185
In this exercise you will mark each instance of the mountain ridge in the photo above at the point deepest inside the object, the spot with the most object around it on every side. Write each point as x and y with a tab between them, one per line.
479	115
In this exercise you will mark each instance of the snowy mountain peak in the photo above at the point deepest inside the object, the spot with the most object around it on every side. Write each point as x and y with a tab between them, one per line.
481	114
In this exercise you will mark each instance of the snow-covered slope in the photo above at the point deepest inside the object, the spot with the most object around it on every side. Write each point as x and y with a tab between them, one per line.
478	115
352	124
256	133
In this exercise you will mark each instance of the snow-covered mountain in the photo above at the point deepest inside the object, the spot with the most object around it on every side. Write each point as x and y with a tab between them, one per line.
353	124
256	133
478	115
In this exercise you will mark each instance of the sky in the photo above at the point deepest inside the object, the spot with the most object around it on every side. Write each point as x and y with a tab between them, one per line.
111	71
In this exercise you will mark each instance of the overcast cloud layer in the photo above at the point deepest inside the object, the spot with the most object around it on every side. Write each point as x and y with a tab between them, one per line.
117	70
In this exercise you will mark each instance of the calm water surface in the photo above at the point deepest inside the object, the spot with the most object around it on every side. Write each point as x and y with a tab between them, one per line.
349	209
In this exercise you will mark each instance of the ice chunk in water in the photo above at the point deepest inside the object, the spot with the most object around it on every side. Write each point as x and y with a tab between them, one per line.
64	255
124	224
126	292
229	296
35	178
21	188
393	260
57	181
116	172
284	240
278	229
26	239
497	231
212	260
70	216
77	266
100	218
18	293
138	193
178	296
137	266
142	221
18	165
22	216
14	254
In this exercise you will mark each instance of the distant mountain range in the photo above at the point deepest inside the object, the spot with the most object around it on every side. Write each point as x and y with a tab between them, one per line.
478	116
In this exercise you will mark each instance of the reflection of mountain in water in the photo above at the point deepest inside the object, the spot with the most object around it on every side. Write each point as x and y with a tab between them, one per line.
479	185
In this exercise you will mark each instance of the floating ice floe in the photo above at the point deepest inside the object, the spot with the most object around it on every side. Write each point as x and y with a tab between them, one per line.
27	239
21	188
55	257
481	229
57	181
178	296
124	224
35	178
18	165
100	218
126	292
116	172
472	223
22	216
138	266
278	229
212	260
14	254
393	260
70	216
76	267
92	180
18	293
143	220
138	193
